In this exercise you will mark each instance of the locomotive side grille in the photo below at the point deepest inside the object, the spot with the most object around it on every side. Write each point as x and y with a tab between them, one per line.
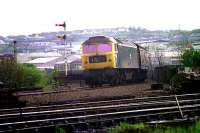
97	59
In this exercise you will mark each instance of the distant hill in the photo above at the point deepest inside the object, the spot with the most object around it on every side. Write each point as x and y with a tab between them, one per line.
131	33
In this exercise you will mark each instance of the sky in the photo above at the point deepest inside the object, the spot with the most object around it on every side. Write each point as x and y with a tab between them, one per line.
23	17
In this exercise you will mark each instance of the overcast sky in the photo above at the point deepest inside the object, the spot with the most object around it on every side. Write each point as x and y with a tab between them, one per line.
35	16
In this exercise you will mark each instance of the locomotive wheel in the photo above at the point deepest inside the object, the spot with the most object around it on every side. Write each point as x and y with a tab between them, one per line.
114	81
98	82
117	79
90	82
134	77
122	78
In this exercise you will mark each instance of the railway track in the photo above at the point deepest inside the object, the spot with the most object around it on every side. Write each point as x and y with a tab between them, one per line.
67	89
96	103
40	92
92	115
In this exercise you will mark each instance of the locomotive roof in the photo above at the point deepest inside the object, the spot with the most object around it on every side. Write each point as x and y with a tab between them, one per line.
100	39
105	39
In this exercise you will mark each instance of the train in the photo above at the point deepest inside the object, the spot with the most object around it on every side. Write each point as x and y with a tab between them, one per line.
109	60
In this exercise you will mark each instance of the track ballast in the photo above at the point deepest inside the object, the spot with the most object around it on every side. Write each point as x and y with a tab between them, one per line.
101	114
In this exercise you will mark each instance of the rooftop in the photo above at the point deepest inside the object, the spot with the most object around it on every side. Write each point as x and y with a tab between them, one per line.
41	54
42	60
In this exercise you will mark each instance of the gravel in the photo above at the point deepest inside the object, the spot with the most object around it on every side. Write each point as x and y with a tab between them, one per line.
133	90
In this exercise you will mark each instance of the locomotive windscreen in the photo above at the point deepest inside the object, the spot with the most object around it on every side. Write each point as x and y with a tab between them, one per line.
97	59
97	48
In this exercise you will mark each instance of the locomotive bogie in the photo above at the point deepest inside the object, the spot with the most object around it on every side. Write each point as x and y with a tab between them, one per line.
113	76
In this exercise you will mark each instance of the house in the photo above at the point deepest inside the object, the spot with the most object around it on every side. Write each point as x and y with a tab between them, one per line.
6	57
2	42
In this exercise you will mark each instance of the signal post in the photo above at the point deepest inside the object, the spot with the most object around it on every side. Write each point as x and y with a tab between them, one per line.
64	37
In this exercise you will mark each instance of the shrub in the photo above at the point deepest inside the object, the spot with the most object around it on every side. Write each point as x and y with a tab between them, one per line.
127	128
19	76
59	129
191	58
32	77
177	81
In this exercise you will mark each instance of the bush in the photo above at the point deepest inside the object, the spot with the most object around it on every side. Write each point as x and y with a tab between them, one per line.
191	58
59	129
32	77
53	81
19	76
127	128
177	81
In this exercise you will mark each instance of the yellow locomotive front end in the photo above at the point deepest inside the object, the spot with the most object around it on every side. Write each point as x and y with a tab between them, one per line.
98	55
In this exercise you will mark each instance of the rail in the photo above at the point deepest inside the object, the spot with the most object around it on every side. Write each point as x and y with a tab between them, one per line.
104	102
101	112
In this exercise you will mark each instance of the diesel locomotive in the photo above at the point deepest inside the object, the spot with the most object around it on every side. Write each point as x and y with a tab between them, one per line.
108	60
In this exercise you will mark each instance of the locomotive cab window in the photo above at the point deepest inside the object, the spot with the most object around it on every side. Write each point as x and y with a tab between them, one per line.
97	59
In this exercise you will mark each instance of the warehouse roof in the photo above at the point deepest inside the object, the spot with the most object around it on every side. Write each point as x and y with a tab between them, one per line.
41	54
70	59
42	60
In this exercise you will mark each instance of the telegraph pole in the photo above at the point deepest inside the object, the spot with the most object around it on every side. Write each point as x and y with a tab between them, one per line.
64	37
65	43
179	27
15	50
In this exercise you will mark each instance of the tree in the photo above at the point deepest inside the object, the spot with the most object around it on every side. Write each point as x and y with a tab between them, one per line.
32	77
191	58
18	76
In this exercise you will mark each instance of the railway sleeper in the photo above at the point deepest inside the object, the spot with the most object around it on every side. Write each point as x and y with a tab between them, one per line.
81	126
122	115
191	113
189	109
138	120
108	123
136	99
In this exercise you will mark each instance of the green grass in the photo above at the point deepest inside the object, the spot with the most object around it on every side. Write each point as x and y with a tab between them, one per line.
59	130
127	128
142	128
